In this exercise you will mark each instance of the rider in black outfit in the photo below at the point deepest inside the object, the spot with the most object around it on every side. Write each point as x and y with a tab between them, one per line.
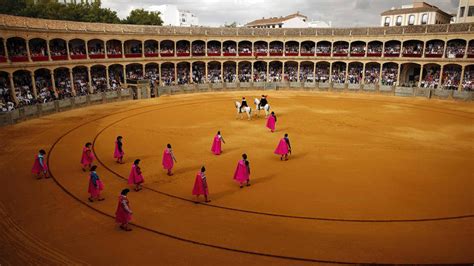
263	102
244	104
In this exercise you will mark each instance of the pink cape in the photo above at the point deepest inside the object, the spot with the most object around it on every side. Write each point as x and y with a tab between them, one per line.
200	186
121	215
37	168
117	153
241	174
271	123
282	147
95	191
87	159
135	177
216	145
167	160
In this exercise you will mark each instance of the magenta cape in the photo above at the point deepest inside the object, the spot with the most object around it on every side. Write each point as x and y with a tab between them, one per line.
37	168
200	186
216	145
167	160
135	176
117	153
121	215
241	174
87	157
271	123
282	147
95	191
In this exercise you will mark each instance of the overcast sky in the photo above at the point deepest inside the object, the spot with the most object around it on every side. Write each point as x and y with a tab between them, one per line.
342	13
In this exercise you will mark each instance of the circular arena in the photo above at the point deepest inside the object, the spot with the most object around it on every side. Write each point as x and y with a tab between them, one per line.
379	172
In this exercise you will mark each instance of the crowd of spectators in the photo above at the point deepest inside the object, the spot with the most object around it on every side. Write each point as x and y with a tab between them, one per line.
435	48
455	49
276	47
245	72
38	48
182	48
115	78
17	48
167	75
96	49
372	74
199	74
167	48
355	73
413	48
81	82
308	48
358	48
183	74
306	73
275	72
322	73
392	48
24	89
341	48
230	74
7	103
214	48
114	48
198	48
245	48
214	73
291	73
389	75
133	48
229	48
292	48
63	84
323	48
338	74
260	72
151	48
58	48
468	81
44	88
135	72
261	47
374	48
77	49
451	78
431	76
99	80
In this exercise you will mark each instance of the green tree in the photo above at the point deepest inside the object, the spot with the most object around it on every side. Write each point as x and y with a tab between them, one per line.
12	7
231	25
143	17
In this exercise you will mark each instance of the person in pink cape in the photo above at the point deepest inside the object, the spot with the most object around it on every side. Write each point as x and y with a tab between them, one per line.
271	121
216	144
242	173
136	177
123	214
200	185
87	156
283	148
95	185
118	153
40	168
168	159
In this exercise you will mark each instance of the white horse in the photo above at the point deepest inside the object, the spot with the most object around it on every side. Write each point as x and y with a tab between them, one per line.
266	108
245	109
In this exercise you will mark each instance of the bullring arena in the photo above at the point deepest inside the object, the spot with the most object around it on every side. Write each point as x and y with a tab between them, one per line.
380	171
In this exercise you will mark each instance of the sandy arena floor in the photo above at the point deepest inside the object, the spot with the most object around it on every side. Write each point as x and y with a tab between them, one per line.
371	179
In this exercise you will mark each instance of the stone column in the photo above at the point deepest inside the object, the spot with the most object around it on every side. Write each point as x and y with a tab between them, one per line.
175	73
462	77
347	73
363	73
87	49
67	50
421	75
33	81
73	88
237	71
107	76
89	69
143	51
298	74
441	76
268	72
383	49
380	74
123	49
12	88
48	50
205	71
28	52
5	47
424	50
251	69
466	49
190	73
222	72
444	50
330	71
53	83
398	74
124	75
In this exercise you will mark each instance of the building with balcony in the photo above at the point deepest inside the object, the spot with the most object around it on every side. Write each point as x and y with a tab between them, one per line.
465	11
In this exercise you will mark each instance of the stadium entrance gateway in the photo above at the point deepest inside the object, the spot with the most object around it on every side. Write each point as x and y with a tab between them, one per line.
141	88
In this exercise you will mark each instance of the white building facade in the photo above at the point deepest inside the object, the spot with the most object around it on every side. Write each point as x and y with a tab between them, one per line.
465	11
296	20
172	16
418	13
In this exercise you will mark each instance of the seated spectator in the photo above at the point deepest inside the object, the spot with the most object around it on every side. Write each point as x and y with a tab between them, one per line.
431	79
229	48
306	73
341	48
261	48
291	73
374	48
322	74
338	74
213	48
372	74
455	49
260	72
412	48
230	74
245	73
389	75
63	85
81	82
435	48
198	48
167	75
323	49
451	78
183	75
7	103
468	81
214	73
182	48
276	48
199	73
355	74
275	73
23	89
391	48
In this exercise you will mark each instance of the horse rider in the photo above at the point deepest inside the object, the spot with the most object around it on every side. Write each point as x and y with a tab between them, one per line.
263	102
244	104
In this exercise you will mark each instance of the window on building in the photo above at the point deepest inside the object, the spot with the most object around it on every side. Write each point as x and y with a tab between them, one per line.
387	21
399	21
461	11
424	19
470	12
411	20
